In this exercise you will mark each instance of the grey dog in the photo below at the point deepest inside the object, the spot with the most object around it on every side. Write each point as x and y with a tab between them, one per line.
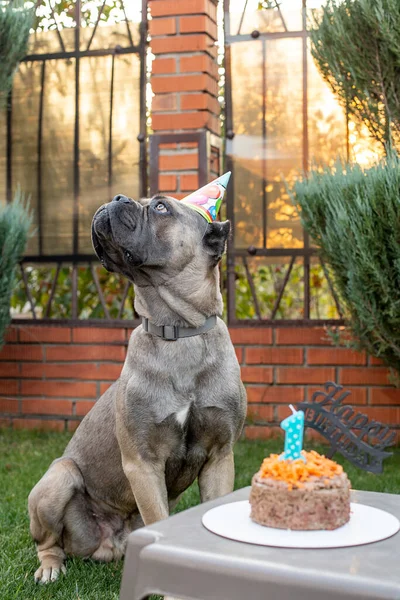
176	410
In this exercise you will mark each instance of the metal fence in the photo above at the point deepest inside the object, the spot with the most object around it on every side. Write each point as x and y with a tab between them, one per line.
68	143
75	133
280	118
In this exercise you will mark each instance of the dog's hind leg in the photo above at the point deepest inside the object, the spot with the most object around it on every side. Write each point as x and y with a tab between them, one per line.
47	503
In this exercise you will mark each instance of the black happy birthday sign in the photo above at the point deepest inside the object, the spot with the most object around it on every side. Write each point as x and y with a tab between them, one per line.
360	440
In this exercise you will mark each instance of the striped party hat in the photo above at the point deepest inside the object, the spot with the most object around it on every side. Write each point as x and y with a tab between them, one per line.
208	199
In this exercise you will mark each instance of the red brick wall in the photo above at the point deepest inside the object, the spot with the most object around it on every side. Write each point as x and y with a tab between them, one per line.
51	376
184	82
284	365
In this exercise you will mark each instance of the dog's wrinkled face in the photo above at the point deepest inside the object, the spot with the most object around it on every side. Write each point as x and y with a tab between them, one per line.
157	234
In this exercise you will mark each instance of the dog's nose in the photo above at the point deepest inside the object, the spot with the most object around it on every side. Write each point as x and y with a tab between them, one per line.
121	198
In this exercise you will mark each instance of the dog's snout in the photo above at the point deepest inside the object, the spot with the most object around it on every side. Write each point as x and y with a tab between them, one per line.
121	198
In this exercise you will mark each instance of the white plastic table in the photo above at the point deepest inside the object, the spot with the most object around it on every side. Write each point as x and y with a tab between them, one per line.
180	557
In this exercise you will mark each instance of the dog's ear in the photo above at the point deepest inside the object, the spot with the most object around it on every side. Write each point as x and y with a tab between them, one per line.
215	240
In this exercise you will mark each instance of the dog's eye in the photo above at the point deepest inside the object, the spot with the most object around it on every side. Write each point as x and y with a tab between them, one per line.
160	207
128	255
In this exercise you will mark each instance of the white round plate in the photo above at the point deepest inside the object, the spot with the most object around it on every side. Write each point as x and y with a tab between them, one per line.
367	524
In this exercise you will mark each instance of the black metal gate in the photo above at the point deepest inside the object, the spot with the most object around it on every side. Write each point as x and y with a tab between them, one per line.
75	133
280	115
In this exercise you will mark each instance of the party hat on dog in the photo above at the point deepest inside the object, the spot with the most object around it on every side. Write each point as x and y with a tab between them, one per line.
208	199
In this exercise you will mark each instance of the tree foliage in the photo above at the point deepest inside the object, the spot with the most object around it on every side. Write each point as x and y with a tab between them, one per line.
15	221
15	23
356	46
354	218
268	4
61	14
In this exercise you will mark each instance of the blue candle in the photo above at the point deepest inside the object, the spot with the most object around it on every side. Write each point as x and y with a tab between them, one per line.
294	429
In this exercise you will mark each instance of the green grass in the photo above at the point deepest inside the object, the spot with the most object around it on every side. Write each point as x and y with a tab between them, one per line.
25	455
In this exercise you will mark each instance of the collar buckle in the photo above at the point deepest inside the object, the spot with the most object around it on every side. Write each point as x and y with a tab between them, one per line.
170	333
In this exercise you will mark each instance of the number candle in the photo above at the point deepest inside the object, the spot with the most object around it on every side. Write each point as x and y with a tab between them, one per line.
294	429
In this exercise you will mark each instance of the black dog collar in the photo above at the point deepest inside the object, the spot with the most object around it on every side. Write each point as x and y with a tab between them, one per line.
171	333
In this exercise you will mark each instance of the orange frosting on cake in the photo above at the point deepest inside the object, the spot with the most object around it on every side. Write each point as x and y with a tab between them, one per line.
296	472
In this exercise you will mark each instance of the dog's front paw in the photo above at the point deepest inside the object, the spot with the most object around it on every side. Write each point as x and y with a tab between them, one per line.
49	572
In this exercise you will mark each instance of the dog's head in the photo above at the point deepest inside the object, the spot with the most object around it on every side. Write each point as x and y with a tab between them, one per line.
153	235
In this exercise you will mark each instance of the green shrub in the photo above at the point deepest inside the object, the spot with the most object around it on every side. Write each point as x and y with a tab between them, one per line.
15	221
353	216
15	218
15	23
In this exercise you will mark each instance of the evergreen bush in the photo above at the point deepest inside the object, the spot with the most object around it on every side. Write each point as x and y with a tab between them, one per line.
15	23
15	218
15	221
353	216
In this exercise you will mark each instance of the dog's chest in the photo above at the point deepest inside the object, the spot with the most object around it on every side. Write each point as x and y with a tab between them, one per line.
194	434
182	415
171	388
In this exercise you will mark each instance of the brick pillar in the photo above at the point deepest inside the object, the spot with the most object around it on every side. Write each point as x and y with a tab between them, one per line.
185	87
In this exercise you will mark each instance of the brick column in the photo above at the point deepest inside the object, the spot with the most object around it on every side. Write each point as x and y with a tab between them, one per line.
185	86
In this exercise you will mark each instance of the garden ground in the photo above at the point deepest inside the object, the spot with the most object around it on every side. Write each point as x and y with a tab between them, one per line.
25	455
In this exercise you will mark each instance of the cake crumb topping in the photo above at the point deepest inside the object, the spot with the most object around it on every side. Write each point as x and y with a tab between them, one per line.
296	472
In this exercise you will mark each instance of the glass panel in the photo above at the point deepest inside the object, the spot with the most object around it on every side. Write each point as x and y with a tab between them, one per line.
284	108
94	126
46	42
126	126
322	303
43	42
94	123
267	147
284	15
58	142
58	122
326	121
246	147
25	119
58	156
284	141
267	155
284	227
268	275
109	36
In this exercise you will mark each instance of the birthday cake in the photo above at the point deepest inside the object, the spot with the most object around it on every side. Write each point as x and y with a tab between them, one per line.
297	489
311	492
